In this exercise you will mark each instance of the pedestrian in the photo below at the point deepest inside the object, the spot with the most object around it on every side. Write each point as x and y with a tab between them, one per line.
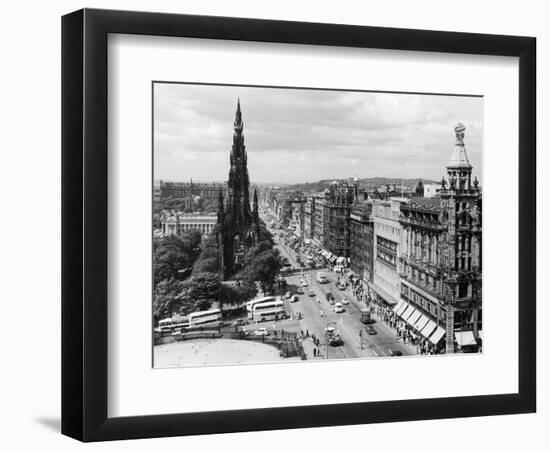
314	352
307	333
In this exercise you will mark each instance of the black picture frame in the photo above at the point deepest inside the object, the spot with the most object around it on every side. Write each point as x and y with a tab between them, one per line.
84	224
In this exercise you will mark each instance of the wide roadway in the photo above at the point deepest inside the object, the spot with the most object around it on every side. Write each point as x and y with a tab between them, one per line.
318	314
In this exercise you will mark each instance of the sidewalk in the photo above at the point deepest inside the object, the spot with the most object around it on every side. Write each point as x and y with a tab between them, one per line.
308	345
379	321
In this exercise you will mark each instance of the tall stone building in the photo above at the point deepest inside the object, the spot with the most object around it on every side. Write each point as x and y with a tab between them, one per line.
238	224
362	239
386	249
336	217
440	261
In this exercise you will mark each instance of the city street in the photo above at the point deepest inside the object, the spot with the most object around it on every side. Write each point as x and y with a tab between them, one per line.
317	314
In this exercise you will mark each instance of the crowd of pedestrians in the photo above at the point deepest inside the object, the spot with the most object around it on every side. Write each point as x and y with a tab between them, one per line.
404	331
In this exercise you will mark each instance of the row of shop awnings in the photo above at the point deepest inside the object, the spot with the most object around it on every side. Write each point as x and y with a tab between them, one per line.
421	323
428	328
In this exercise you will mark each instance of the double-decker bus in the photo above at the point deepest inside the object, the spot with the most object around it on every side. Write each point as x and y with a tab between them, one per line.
274	310
256	301
211	318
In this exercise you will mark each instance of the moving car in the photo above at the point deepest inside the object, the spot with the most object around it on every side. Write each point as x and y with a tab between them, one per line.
240	322
261	332
294	299
335	339
342	286
311	293
303	282
321	278
365	316
300	290
344	301
338	307
396	353
370	330
288	295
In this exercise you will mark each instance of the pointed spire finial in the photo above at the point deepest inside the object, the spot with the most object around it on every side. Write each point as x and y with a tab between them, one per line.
238	116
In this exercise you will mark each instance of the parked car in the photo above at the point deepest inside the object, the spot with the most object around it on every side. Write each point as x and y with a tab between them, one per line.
311	293
288	295
396	353
294	299
342	286
261	332
344	301
338	307
300	290
303	282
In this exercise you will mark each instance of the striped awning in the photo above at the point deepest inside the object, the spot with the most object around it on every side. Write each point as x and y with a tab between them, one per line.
408	313
414	317
437	335
428	329
421	323
399	305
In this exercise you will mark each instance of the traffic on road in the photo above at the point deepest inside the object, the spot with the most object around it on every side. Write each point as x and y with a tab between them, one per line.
338	323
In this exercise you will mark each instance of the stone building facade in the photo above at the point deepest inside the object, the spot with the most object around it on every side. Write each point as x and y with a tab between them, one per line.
191	193
179	223
441	258
336	217
387	234
362	239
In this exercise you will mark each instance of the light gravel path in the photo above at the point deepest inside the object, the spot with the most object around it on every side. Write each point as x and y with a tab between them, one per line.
210	352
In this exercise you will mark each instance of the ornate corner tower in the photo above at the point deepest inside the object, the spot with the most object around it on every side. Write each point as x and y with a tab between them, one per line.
461	256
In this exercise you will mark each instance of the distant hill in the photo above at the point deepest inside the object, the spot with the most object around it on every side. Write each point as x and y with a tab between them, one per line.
364	183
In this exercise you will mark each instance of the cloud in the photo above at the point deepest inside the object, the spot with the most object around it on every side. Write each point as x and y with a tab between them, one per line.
296	135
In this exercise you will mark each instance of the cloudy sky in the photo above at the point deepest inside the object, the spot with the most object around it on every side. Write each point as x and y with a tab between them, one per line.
306	135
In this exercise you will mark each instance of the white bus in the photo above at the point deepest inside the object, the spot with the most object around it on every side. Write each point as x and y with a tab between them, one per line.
171	324
211	318
274	310
256	301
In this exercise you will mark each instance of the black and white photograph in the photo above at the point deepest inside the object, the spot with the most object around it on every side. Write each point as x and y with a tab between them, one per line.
305	224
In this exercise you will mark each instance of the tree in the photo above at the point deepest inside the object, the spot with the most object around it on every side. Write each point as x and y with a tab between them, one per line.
205	265
264	268
173	254
171	297
204	289
255	251
236	294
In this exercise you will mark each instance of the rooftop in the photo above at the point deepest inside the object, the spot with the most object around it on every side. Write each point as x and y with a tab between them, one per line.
423	202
